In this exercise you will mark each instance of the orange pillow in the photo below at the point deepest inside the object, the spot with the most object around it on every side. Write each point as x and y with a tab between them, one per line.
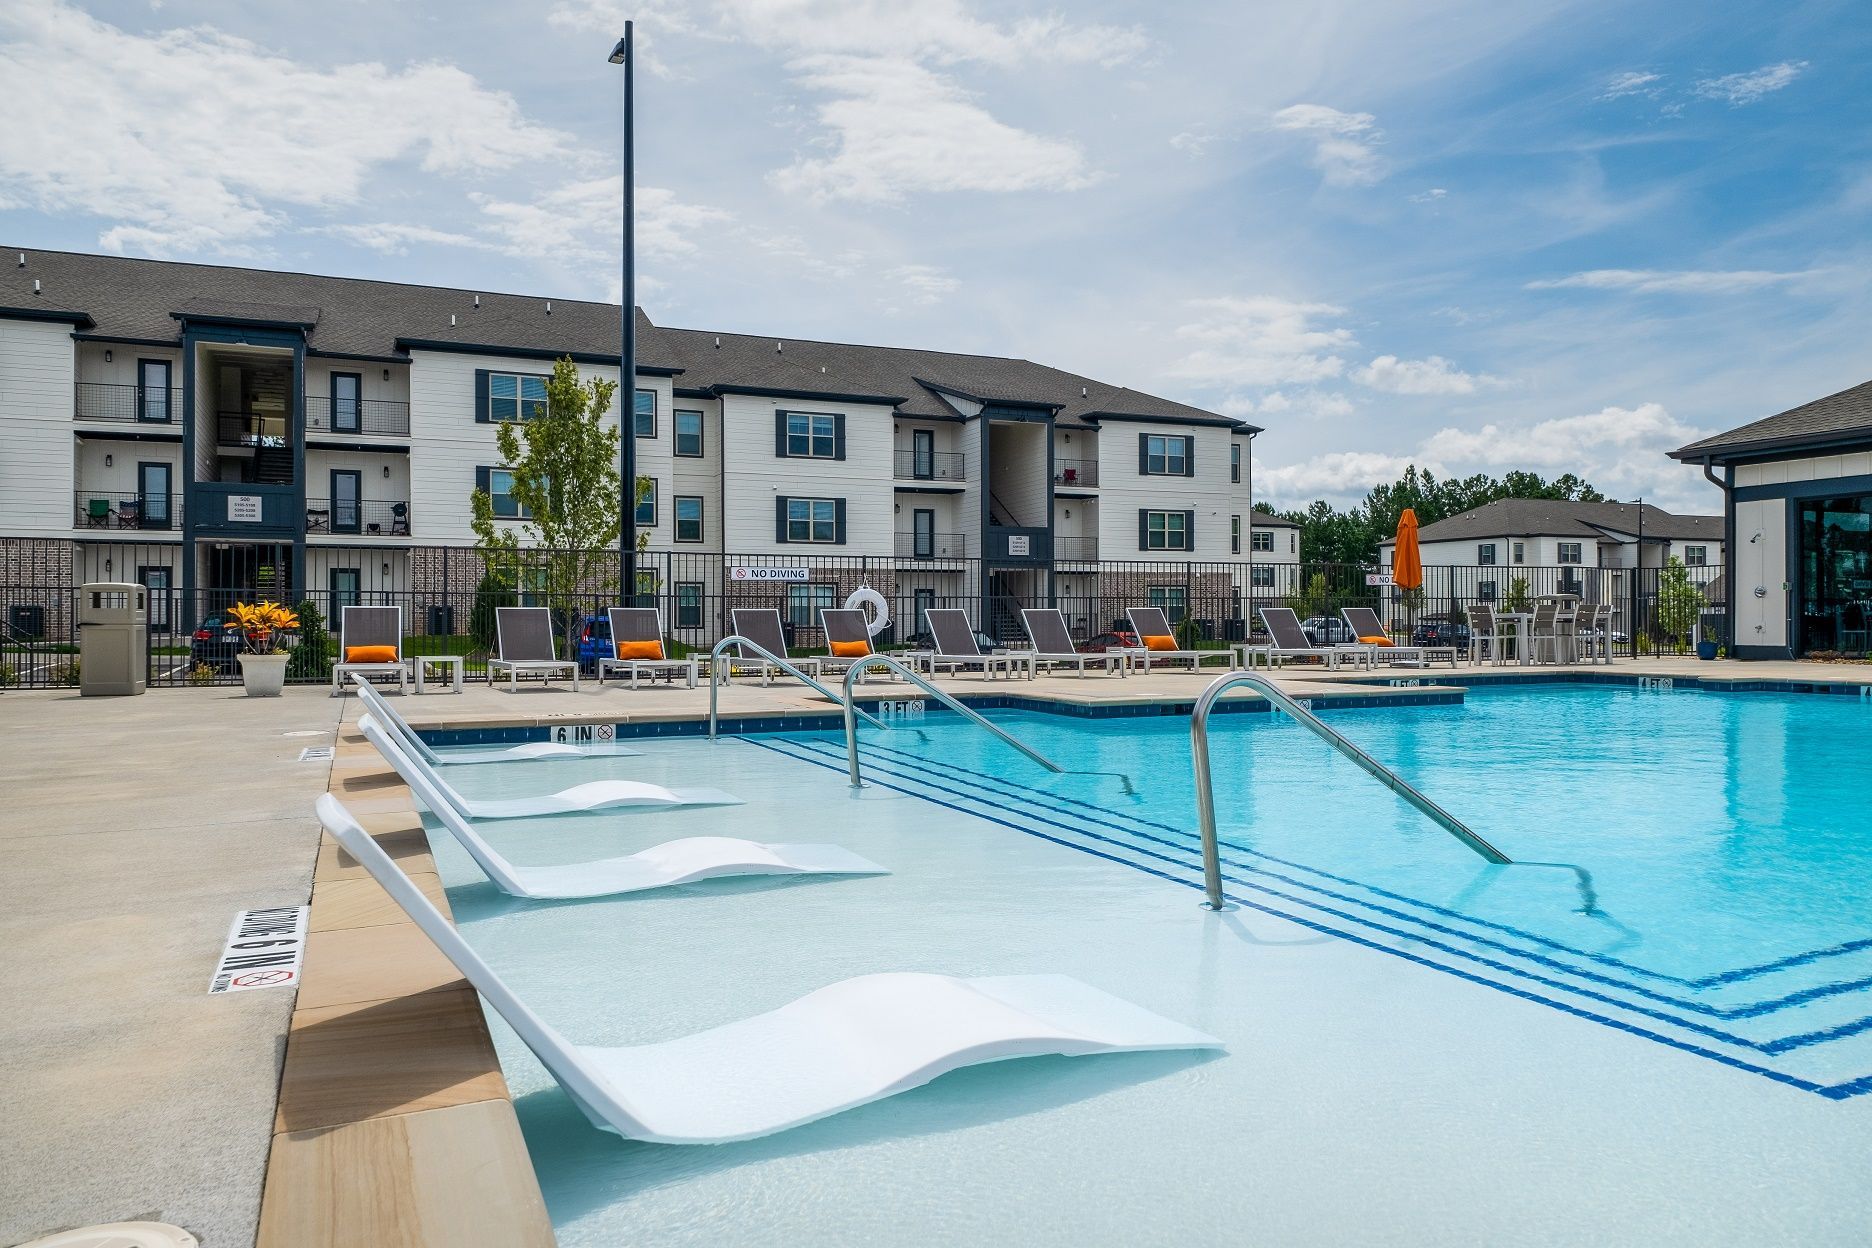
370	654
1160	643
851	649
1376	641
640	650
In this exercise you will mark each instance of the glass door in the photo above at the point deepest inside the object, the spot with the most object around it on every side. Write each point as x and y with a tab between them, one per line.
153	496
345	592
152	395
347	402
924	535
1835	604
346	486
922	454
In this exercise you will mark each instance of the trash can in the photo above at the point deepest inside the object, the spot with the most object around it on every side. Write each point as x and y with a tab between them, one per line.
113	638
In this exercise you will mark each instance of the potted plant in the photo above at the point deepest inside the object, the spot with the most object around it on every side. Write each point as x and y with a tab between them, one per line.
1706	649
264	627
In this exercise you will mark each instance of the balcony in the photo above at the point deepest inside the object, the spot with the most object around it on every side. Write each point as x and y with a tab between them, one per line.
126	404
930	546
251	428
94	509
371	518
1083	549
1010	544
1071	474
376	416
944	466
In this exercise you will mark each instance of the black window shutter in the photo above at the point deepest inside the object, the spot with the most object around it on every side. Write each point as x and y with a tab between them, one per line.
1189	530
1189	456
481	397
1143	453
1143	529
779	433
780	519
838	447
838	518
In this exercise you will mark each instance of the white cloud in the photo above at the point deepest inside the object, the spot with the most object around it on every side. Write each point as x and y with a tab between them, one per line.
925	283
1430	196
1343	143
1193	143
166	143
1336	474
1431	375
394	239
1632	82
1261	340
1669	281
1747	88
1598	444
581	222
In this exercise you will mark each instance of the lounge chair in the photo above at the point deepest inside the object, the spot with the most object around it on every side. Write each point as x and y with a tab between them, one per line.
1157	641
1289	641
956	646
662	866
1053	643
844	1045
530	751
640	631
848	639
525	636
761	625
1365	625
374	635
592	795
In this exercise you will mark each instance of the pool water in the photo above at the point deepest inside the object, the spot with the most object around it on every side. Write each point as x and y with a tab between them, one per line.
1692	881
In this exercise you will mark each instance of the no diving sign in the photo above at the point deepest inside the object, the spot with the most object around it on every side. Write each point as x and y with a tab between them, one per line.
583	734
263	950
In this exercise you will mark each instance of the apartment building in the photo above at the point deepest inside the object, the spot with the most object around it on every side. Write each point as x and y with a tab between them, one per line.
219	432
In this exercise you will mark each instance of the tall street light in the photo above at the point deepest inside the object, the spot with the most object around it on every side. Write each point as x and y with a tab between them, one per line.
627	349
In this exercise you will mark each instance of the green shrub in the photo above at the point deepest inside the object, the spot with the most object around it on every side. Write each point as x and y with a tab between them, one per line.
202	675
66	674
492	593
9	676
312	657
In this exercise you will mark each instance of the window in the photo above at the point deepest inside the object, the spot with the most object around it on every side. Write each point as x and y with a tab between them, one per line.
1162	455
1170	599
498	482
688	519
533	587
1261	540
646	506
152	392
1261	576
923	533
1520	552
347	402
811	519
805	602
1293	541
646	414
153	486
922	454
922	601
1167	530
345	592
1235	463
1569	552
1485	590
346	514
688	604
689	434
811	435
1234	535
1696	556
515	396
159	582
1485	554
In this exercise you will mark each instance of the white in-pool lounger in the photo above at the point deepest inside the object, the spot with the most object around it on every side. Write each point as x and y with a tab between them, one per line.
592	795
673	862
844	1045
529	752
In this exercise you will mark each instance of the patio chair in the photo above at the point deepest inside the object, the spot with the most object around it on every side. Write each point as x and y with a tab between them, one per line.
98	513
525	637
848	639
370	643
1543	631
529	751
761	625
1365	625
1157	641
637	647
580	798
1053	644
1485	634
1289	641
847	1044
956	647
1594	628
661	866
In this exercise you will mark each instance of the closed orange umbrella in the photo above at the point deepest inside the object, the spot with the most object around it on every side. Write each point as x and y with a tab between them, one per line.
1407	560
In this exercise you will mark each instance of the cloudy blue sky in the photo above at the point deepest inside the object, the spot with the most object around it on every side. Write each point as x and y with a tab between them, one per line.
1472	235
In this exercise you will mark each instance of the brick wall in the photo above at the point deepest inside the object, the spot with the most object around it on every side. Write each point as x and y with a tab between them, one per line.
38	572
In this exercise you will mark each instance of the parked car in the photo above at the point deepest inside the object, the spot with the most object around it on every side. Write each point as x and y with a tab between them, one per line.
216	642
927	641
1327	630
1437	631
1117	639
594	641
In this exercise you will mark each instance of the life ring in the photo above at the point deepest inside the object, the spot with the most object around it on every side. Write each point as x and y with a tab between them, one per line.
879	619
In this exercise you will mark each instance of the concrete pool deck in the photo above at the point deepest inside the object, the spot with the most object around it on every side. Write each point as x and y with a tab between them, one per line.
134	1093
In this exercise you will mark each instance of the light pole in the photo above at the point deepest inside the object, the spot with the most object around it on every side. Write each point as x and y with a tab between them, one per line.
623	55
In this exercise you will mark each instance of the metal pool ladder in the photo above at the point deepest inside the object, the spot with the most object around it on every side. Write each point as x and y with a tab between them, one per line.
881	660
716	673
1205	791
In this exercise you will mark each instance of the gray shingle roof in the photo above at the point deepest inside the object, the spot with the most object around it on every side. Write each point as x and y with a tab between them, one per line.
1268	520
130	298
1548	517
1838	417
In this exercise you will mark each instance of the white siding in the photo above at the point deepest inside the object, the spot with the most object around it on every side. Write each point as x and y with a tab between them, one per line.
37	365
1123	491
756	477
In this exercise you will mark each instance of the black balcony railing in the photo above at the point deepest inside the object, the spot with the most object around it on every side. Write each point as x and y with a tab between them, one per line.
1081	548
97	509
251	428
928	466
372	517
380	416
126	403
1071	472
930	546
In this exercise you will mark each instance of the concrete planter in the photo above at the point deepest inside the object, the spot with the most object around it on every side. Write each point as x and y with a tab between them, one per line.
263	674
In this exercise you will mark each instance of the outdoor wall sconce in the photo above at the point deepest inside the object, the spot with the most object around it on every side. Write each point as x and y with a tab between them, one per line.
386	470
107	461
386	374
107	355
386	569
107	567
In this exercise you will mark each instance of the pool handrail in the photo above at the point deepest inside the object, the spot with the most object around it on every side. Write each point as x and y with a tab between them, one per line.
1205	791
716	672
884	660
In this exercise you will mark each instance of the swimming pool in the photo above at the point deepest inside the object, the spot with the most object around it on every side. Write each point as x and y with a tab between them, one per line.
1710	908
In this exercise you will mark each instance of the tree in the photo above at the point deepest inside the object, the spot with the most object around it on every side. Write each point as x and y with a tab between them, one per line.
1678	601
491	593
312	657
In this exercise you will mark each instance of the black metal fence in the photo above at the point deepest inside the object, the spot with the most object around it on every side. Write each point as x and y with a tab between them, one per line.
448	597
